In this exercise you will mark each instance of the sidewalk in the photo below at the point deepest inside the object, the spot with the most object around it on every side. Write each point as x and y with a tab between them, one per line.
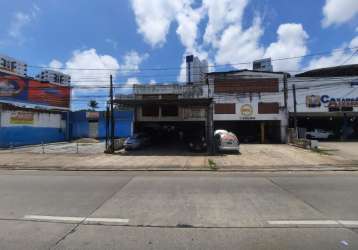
253	158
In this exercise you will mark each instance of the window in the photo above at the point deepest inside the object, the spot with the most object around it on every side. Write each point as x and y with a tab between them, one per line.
150	110
169	110
240	85
150	97
268	108
225	108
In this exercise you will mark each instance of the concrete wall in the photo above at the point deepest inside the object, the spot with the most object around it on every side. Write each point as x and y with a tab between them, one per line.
19	127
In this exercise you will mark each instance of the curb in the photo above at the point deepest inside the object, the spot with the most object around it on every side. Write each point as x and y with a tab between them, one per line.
178	169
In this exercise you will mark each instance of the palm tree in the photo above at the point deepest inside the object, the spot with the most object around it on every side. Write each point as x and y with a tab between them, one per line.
93	105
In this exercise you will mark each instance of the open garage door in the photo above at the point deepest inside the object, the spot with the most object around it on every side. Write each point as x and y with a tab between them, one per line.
170	137
253	131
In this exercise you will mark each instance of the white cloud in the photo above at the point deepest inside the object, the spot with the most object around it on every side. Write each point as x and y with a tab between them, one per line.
55	64
342	55
225	40
132	81
105	65
91	82
222	14
291	42
187	30
339	11
20	20
237	45
154	18
152	82
132	61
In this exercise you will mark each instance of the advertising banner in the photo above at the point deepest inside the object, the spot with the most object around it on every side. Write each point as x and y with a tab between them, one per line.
21	117
15	88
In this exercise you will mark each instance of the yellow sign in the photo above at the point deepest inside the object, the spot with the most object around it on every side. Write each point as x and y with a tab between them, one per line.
247	110
21	117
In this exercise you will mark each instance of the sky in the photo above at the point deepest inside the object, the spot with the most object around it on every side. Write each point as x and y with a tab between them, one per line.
145	42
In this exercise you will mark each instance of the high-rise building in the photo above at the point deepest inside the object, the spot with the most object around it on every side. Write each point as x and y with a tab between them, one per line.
12	65
54	77
263	65
196	70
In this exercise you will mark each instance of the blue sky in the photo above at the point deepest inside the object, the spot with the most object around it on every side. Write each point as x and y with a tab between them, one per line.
136	35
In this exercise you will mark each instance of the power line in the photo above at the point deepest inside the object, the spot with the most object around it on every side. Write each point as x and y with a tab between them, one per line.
176	68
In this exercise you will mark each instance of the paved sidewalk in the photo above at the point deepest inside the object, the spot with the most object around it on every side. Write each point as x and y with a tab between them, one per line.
253	158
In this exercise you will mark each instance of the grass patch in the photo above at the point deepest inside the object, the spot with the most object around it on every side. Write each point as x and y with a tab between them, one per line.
212	165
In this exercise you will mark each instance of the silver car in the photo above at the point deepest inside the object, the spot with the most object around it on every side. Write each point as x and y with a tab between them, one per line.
226	141
136	141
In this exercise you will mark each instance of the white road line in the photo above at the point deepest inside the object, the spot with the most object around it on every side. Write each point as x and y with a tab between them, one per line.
105	220
76	219
349	222
303	222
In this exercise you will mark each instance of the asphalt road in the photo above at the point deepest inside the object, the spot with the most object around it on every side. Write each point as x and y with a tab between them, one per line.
178	210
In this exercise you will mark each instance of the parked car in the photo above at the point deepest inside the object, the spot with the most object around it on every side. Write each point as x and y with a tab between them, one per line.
319	134
226	141
196	143
136	141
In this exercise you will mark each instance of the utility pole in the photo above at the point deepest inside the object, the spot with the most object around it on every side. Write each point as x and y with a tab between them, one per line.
112	114
294	108
285	90
107	125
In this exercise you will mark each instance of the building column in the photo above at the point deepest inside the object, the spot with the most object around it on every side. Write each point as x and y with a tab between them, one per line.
262	132
209	127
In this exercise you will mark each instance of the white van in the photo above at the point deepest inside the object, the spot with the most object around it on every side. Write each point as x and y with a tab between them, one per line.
226	141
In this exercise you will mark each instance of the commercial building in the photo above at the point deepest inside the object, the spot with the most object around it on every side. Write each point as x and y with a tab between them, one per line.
326	99
31	111
54	77
251	104
12	65
196	70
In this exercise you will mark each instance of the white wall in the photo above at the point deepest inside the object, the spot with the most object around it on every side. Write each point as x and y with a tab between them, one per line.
244	99
46	120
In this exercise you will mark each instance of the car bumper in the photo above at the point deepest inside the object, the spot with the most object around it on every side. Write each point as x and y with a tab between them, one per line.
131	146
229	148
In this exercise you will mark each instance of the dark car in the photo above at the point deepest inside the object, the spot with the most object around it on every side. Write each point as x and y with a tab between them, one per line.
196	143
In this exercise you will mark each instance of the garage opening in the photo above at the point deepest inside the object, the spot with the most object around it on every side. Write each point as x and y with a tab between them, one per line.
253	131
170	138
329	128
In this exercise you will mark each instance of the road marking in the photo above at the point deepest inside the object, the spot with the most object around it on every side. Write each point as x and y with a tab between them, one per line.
303	222
349	222
105	220
75	219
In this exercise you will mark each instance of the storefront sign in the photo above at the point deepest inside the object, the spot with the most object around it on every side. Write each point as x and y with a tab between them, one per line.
314	101
247	110
21	117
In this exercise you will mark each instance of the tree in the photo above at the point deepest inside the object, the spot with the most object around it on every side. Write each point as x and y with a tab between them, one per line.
93	105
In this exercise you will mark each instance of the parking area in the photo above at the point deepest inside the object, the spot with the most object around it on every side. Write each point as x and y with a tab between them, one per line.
90	156
343	151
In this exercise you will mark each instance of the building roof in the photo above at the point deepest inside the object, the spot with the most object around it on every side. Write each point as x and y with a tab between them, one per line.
244	70
181	102
345	70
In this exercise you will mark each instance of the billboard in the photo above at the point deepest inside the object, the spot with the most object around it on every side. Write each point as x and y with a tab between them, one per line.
15	88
